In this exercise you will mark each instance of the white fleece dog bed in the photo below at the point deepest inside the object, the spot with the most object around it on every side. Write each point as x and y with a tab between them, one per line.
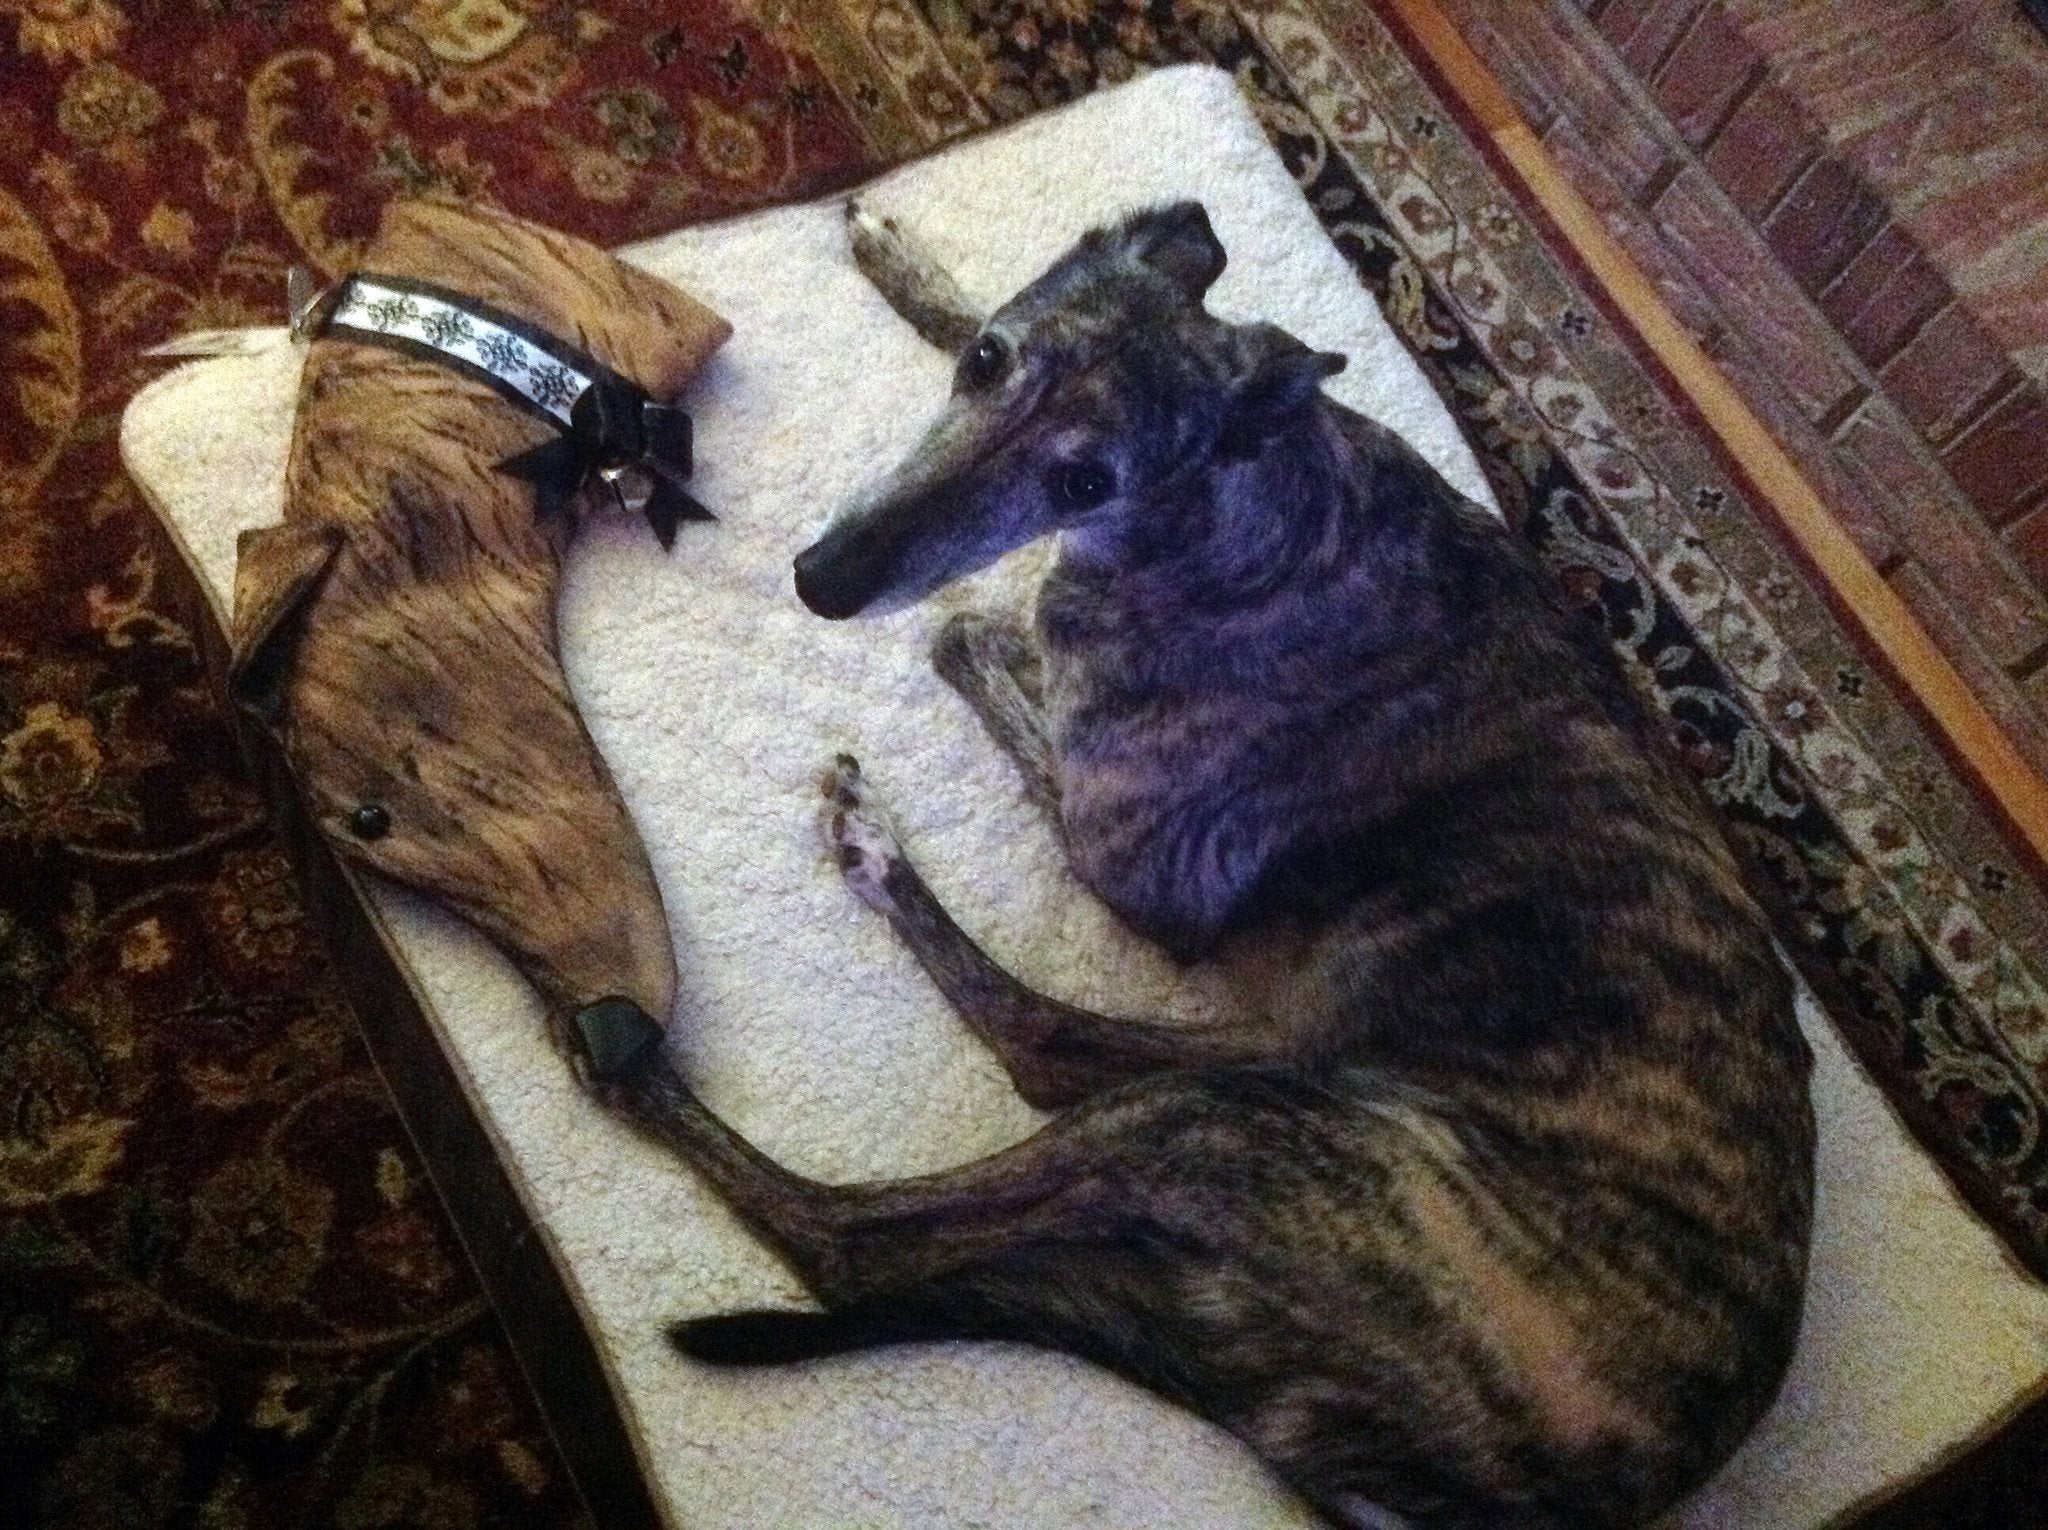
716	698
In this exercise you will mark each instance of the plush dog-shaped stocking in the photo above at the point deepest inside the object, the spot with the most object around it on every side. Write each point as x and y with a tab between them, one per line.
397	630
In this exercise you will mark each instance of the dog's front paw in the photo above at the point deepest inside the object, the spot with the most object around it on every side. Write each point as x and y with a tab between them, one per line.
876	241
858	837
910	280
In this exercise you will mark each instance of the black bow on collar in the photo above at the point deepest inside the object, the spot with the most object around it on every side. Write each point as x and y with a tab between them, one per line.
621	439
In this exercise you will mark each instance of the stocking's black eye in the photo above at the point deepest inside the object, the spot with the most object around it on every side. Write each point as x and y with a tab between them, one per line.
983	363
1082	485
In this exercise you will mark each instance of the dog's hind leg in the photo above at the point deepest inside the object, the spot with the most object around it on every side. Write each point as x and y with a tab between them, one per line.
994	667
852	1242
1056	1054
921	291
1075	1238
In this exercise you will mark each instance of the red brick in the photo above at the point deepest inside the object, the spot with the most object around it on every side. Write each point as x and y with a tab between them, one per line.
1525	57
2009	705
1616	13
1870	518
1882	471
1823	222
1639	234
1860	505
2028	738
1764	147
1947	374
1757	298
1860	508
1644	33
1884	295
1977	575
1608	153
1618	18
1911	298
2028	539
1704	76
1864	277
1552	77
2002	461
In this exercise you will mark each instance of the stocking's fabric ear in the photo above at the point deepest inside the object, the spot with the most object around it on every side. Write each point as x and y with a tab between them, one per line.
278	569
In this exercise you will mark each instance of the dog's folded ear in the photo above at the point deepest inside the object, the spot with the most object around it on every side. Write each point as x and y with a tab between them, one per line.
1276	376
1178	243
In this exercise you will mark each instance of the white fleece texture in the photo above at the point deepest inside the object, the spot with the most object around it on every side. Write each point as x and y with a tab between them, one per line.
717	698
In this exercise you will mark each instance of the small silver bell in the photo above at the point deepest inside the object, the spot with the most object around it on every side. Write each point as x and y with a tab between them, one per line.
631	484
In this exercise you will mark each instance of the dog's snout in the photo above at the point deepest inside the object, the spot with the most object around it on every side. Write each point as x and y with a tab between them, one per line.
822	586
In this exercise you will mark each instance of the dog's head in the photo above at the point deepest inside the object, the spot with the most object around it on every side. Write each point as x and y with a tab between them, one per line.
1098	384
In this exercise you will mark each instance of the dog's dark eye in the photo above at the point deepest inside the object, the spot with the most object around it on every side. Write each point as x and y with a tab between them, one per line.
1083	484
983	363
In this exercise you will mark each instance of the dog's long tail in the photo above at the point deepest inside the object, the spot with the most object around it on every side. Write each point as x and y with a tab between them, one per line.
777	1338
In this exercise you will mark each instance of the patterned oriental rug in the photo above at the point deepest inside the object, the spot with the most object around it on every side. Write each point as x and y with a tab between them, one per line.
228	1293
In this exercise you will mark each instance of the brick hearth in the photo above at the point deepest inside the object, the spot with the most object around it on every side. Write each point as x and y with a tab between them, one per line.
1846	202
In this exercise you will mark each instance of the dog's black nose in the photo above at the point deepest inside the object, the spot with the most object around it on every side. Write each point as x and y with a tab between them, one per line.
816	588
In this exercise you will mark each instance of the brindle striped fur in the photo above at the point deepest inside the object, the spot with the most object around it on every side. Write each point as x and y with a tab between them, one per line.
1491	1207
398	628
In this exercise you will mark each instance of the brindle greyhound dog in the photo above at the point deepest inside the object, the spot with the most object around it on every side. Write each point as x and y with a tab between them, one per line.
1491	1207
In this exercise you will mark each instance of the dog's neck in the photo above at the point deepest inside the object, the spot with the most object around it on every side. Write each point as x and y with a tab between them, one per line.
1328	511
